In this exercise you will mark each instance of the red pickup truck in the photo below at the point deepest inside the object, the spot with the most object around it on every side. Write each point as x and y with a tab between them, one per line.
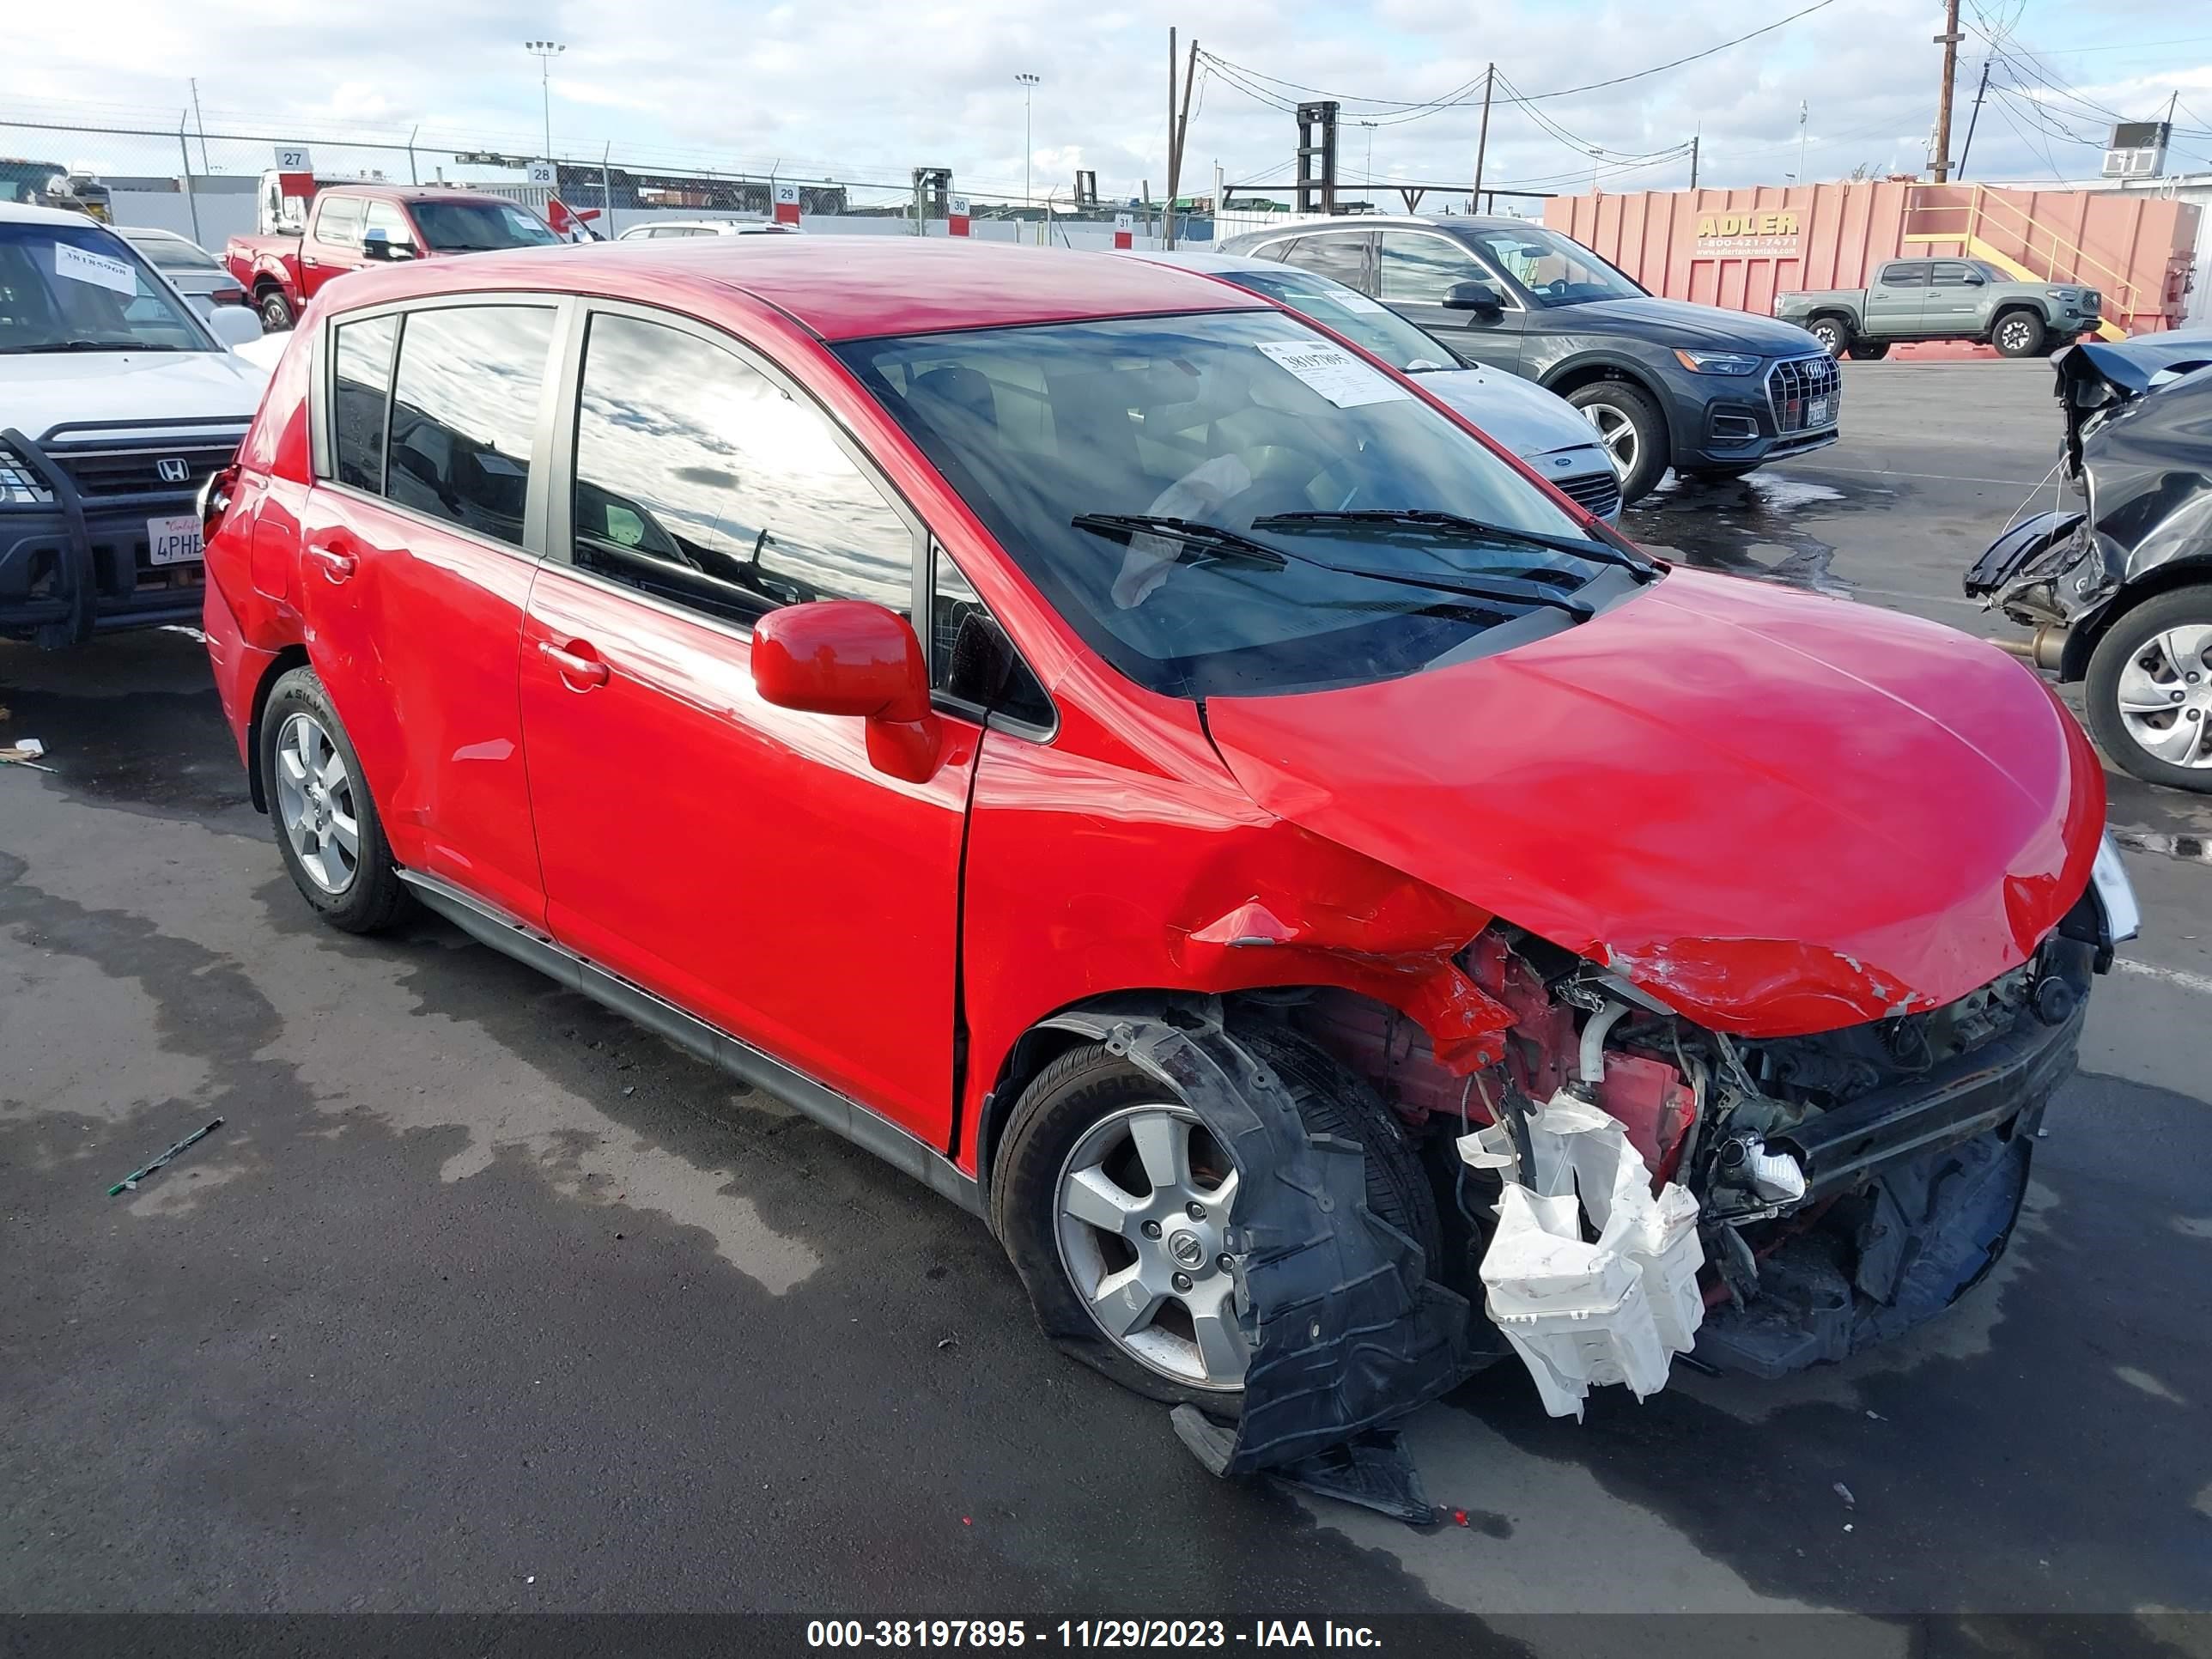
350	226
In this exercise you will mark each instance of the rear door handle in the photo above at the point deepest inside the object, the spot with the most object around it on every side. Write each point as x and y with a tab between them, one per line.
337	564
581	672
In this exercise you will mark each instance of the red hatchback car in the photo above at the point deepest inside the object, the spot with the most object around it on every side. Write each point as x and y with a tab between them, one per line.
1154	775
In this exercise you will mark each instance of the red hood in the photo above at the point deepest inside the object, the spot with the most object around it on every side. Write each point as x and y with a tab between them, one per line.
1774	813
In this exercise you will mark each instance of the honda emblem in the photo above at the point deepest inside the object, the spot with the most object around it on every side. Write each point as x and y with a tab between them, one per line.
172	470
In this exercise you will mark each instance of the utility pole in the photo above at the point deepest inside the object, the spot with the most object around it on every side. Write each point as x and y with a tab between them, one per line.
1803	110
1693	158
1967	149
1949	41
1482	135
1180	127
1167	208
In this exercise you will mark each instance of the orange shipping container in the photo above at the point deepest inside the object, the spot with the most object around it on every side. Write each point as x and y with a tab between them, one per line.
1740	248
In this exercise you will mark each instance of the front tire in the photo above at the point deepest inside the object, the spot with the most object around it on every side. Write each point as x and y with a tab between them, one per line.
1113	1197
1834	337
1633	430
2148	690
327	829
2018	334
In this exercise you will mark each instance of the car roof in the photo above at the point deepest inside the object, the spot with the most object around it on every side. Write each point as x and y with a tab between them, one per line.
411	192
842	287
1443	222
728	227
1212	264
24	213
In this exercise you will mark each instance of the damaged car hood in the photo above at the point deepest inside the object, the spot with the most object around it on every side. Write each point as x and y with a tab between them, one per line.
1777	814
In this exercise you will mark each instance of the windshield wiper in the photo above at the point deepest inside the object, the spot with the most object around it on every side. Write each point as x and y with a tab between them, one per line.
1221	543
1421	517
1191	532
91	345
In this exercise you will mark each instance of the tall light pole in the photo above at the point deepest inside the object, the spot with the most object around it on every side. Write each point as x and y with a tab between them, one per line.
545	51
1800	141
1370	125
1028	84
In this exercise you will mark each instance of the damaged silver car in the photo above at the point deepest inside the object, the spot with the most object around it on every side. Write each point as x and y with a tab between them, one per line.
2119	590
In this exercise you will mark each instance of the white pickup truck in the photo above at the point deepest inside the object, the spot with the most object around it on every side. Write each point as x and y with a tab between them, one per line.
118	399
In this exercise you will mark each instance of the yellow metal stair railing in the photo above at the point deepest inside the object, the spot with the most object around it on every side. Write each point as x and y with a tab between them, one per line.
2061	261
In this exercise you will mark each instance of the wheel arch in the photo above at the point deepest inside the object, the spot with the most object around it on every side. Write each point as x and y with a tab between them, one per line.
291	657
1842	314
1573	376
1089	1021
2190	570
2011	307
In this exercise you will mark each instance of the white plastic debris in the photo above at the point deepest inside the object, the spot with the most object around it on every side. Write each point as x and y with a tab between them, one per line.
1775	1176
1581	1314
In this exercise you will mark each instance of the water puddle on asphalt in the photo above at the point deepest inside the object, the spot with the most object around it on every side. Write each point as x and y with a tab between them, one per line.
2196	849
1755	526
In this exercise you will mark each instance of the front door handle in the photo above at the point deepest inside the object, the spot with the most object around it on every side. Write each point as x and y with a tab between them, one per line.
337	564
581	672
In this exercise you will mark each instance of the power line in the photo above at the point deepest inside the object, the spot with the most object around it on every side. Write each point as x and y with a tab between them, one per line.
1459	97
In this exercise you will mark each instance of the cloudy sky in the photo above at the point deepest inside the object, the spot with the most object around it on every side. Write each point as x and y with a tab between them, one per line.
863	89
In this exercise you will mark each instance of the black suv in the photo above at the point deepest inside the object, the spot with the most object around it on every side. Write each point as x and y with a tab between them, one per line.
1711	393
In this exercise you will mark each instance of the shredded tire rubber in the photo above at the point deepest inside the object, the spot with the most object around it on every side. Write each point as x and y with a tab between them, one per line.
1347	1330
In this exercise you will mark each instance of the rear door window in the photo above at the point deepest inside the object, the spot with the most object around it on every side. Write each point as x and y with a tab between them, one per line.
1911	273
465	414
702	482
360	397
1340	256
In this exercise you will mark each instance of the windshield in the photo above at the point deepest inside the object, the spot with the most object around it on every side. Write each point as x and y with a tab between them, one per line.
26	181
1229	422
1553	269
77	288
1350	312
479	227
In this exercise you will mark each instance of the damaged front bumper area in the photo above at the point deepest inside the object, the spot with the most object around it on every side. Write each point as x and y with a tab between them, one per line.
1909	1193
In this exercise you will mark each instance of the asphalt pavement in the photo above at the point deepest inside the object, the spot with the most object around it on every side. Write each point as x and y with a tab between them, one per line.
482	1300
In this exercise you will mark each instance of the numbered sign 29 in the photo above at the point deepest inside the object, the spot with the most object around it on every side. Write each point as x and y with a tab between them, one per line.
294	158
541	173
786	205
956	215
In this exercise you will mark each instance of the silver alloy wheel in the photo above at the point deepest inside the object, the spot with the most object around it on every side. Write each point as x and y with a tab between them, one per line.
1830	334
1142	1229
2015	333
2164	696
316	804
1618	433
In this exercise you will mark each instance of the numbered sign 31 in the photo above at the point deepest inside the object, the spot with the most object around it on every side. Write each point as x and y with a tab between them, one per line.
1124	227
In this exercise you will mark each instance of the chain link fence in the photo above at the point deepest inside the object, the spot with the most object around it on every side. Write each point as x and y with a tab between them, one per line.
203	183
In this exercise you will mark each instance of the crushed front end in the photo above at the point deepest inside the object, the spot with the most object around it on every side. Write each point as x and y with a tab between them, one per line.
1626	1185
2134	460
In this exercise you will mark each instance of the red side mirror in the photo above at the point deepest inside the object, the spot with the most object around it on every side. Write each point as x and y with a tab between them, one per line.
849	657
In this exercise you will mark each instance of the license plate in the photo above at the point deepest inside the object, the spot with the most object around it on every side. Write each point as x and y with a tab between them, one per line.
1816	412
174	541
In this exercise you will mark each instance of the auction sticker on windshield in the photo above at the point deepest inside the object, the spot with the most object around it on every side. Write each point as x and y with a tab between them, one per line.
80	265
172	540
1334	372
